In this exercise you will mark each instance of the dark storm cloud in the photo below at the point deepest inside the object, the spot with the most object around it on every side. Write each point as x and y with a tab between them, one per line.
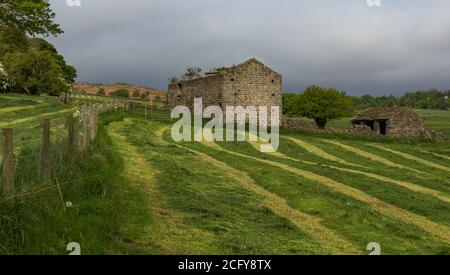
403	45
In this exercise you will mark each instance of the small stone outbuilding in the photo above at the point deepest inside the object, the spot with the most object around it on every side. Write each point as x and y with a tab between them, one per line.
400	122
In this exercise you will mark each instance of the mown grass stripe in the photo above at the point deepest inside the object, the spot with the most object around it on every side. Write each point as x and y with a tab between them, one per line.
438	155
33	118
307	223
319	152
411	186
172	235
372	156
411	157
16	109
439	231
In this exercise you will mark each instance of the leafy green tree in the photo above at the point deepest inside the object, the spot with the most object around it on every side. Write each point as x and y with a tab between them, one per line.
35	72
367	101
323	104
12	40
69	73
32	17
290	103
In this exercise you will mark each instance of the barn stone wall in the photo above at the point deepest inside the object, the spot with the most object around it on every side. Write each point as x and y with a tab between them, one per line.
208	88
248	84
405	125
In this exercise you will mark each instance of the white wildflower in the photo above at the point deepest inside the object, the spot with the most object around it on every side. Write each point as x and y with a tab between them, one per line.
4	85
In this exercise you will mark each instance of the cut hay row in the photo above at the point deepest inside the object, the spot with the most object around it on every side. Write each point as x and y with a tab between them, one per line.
411	186
172	235
371	156
405	184
16	109
33	118
307	223
439	231
438	155
319	152
411	157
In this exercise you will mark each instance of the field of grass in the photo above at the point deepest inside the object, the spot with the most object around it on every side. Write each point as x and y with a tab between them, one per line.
437	120
19	111
328	196
136	191
78	97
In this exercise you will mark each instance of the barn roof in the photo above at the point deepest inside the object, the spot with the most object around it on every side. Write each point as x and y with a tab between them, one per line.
379	113
224	70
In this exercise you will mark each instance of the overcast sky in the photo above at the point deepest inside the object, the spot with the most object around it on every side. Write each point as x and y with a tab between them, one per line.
401	46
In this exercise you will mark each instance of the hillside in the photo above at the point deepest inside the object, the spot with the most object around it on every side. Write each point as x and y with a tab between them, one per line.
109	88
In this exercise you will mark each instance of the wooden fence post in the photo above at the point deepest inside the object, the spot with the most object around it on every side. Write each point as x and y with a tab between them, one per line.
8	161
85	130
45	156
145	112
93	116
71	142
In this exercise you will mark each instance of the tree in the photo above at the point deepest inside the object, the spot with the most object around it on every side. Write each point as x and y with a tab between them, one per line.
69	73
323	104
290	101
32	17
35	72
367	101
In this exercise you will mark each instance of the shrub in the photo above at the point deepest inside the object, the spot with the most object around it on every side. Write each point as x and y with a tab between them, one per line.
101	92
145	95
136	94
120	93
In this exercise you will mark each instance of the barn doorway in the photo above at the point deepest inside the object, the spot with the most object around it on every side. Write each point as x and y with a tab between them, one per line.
383	127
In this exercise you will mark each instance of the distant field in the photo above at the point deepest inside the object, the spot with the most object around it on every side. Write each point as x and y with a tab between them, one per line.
21	111
437	120
78	97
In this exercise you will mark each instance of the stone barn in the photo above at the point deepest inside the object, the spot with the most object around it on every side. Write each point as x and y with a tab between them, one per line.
248	84
392	122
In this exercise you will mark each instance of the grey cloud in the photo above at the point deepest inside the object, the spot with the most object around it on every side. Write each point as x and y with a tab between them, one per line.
401	46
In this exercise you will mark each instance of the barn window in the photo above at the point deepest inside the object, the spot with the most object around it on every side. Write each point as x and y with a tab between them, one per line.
273	81
273	94
232	79
235	94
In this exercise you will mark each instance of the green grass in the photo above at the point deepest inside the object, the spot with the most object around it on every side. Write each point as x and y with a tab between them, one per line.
102	203
226	212
79	97
137	192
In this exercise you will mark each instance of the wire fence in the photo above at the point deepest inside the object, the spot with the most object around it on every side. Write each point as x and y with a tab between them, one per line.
30	157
